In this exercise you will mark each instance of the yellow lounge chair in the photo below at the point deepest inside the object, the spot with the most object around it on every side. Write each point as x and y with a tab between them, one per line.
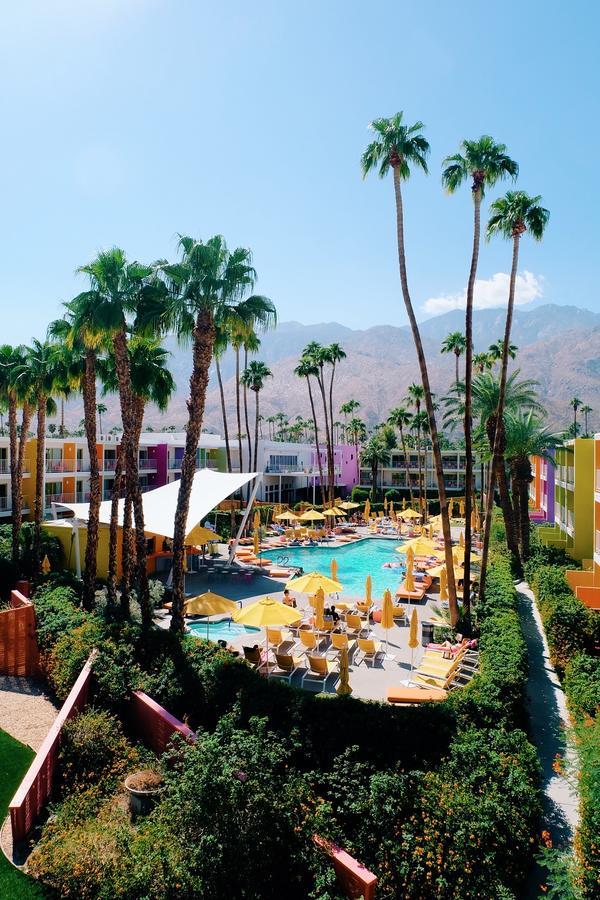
415	695
369	648
311	641
339	642
355	625
319	670
279	640
287	665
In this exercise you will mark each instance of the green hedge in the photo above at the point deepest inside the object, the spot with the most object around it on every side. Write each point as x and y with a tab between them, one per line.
573	633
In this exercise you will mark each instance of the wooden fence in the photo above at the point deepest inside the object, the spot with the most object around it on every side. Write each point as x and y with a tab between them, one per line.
36	788
19	654
154	724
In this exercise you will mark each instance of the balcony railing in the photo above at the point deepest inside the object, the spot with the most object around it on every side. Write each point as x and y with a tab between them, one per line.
174	463
109	465
147	464
60	498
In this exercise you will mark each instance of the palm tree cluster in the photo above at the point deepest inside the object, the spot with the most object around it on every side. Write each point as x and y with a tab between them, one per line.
578	405
315	365
398	148
110	337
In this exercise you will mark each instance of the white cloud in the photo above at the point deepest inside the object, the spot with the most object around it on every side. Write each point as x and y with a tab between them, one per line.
489	292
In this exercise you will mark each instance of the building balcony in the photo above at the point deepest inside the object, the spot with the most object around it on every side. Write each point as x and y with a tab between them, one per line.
146	464
174	463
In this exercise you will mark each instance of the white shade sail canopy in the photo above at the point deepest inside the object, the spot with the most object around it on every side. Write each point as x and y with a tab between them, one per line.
209	488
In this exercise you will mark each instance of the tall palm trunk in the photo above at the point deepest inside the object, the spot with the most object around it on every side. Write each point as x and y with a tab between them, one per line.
456	358
17	511
89	411
114	538
317	448
38	506
469	396
498	450
246	420
321	382
224	414
420	464
237	406
61	428
522	477
437	455
256	415
130	459
14	492
204	338
331	417
406	466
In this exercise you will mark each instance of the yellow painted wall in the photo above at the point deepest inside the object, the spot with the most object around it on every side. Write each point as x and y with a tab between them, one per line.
29	482
64	535
583	501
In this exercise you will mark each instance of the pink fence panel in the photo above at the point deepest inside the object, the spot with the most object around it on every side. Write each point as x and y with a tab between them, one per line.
19	654
34	791
353	878
154	724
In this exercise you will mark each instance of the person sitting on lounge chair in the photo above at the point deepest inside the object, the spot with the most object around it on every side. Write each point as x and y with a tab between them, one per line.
288	599
332	614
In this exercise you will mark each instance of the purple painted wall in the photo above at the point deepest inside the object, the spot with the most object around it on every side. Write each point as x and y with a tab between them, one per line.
161	455
547	488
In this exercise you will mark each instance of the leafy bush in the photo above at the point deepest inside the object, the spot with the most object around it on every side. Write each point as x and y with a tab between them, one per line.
57	614
587	842
359	495
582	684
570	626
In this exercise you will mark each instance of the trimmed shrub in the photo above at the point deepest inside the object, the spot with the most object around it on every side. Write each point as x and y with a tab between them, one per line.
57	614
582	684
360	495
570	626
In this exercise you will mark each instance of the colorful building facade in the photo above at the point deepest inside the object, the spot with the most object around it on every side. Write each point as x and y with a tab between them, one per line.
573	500
586	583
541	489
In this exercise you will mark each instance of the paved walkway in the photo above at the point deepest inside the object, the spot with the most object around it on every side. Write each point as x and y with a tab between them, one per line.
26	711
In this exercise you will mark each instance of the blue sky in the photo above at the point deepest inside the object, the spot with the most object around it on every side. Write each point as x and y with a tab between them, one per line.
127	121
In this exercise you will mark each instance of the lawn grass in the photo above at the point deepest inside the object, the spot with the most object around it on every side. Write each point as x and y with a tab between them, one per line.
14	762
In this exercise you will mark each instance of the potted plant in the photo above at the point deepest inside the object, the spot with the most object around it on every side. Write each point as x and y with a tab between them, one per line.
143	789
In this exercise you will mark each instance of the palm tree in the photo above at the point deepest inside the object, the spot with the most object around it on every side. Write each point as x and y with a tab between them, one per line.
358	433
220	346
253	377
78	357
401	418
415	396
336	354
575	403
398	147
526	436
118	291
320	357
348	409
41	371
511	216
375	454
496	351
101	410
482	362
586	410
251	345
455	343
208	279
484	162
308	369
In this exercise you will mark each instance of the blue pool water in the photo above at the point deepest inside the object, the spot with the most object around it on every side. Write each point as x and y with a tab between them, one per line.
223	630
355	562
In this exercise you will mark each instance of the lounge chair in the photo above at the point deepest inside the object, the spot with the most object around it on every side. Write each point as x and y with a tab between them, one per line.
399	612
281	641
365	608
355	625
415	695
370	649
311	641
319	670
339	642
286	666
255	658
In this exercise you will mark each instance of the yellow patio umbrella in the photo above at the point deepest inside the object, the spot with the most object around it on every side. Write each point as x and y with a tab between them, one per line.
413	637
391	508
312	581
459	554
319	610
200	535
410	514
438	571
256	542
347	504
334	569
209	604
46	567
461	508
387	618
311	515
287	516
385	504
421	547
256	520
451	508
461	539
343	688
333	511
430	531
409	581
473	520
404	503
367	509
368	588
264	613
410	555
443	584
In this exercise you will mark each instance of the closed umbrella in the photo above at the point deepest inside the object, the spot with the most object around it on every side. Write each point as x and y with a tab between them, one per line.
264	613
387	619
368	588
413	637
461	539
367	509
256	520
320	610
461	507
334	569
403	503
312	581
385	504
46	567
409	581
473	520
343	688
443	584
256	542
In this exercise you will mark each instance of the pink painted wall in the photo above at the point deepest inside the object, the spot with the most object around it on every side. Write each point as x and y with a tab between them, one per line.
154	724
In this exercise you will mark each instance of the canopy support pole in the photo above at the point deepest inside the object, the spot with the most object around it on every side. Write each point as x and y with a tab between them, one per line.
75	532
251	500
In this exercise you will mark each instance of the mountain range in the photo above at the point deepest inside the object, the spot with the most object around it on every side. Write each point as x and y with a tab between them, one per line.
559	347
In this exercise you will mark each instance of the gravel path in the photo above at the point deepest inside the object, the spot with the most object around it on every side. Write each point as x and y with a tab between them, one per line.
26	711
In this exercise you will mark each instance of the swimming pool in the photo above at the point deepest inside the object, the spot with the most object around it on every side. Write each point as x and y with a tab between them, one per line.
224	630
355	562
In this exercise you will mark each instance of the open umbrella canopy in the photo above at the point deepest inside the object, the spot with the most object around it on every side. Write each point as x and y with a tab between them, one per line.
209	604
459	554
287	516
410	514
439	571
200	535
265	612
312	581
311	515
347	504
421	547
